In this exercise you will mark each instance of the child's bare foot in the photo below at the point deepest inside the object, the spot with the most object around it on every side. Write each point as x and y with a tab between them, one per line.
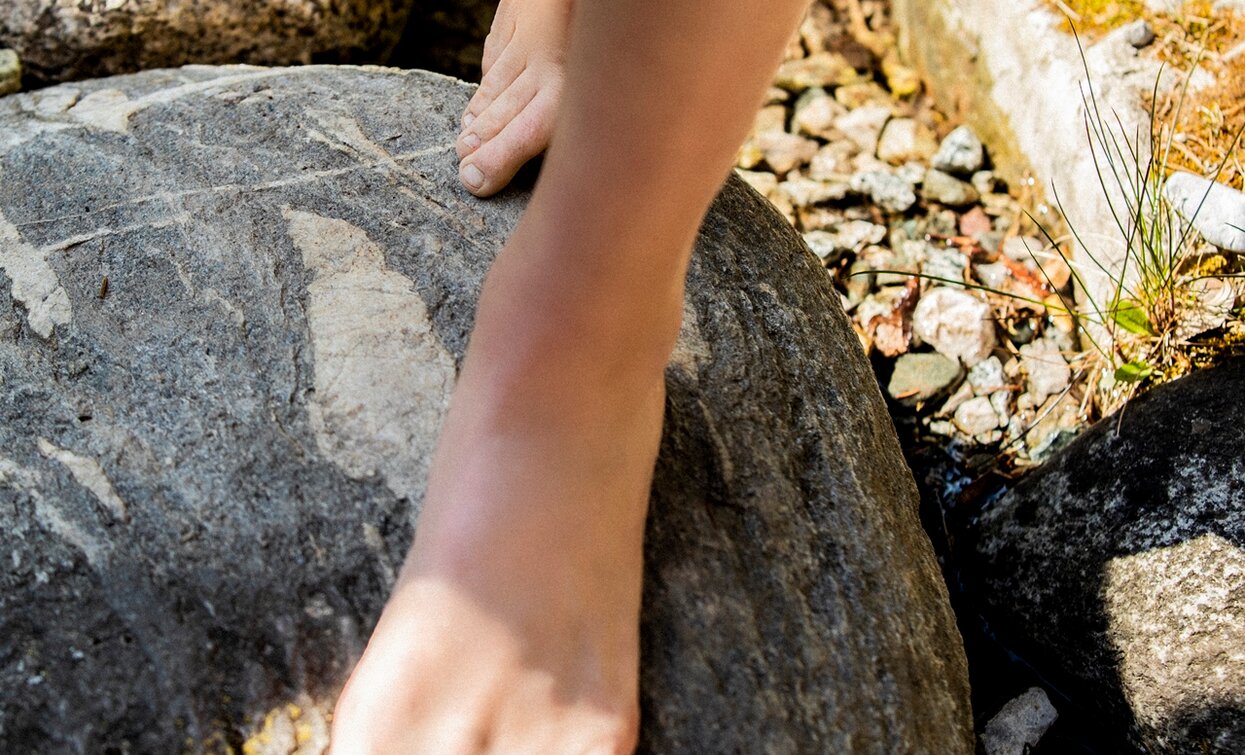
510	118
515	624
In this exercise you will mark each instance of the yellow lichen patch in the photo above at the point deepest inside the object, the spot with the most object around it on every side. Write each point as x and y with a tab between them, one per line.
290	729
1094	16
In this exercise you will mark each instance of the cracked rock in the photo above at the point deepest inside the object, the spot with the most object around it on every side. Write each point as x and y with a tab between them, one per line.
293	273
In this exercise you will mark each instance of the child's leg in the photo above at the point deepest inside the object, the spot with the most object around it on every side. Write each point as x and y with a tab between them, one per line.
514	626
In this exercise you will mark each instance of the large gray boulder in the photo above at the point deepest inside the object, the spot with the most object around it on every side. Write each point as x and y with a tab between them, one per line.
1118	569
63	41
211	465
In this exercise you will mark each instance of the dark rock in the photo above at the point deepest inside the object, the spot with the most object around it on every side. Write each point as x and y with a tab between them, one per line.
63	41
210	468
1118	568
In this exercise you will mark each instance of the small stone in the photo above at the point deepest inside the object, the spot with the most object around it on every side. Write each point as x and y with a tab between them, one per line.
823	69
911	172
956	323
805	191
815	113
880	303
886	190
974	223
785	152
1020	724
945	188
921	377
976	416
776	96
817	28
858	95
987	376
1049	373
850	236
903	80
906	261
984	181
832	162
961	153
905	139
993	274
1048	263
945	263
1217	211
999	205
769	119
1139	33
864	125
762	181
10	72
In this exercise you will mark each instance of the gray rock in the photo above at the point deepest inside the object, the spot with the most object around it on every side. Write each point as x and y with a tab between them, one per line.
210	471
10	72
922	376
1139	33
1118	567
956	323
1019	725
886	190
905	139
960	152
1215	210
945	188
63	41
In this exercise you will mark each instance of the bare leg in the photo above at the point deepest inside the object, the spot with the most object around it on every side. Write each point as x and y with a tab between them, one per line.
514	626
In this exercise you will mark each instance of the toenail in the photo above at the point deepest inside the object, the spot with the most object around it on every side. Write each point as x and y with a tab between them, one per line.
472	176
467	119
471	140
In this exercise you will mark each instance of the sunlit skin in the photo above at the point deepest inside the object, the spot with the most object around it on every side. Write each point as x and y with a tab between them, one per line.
514	626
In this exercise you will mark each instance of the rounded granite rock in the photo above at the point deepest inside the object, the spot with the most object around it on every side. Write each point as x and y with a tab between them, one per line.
232	305
66	41
1118	568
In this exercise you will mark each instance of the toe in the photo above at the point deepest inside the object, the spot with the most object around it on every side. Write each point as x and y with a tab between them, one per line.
498	79
505	108
498	39
490	167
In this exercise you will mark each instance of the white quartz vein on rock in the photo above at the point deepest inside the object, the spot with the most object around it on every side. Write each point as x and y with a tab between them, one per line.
89	475
382	377
35	284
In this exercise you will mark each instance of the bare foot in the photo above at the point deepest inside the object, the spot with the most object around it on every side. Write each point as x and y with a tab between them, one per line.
510	118
514	627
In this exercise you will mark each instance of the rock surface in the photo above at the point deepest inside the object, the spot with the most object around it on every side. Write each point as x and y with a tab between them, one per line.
1019	726
10	72
1215	210
230	330
1118	569
63	41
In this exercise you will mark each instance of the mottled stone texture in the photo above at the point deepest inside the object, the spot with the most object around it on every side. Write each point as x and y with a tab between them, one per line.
64	41
209	471
1119	568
